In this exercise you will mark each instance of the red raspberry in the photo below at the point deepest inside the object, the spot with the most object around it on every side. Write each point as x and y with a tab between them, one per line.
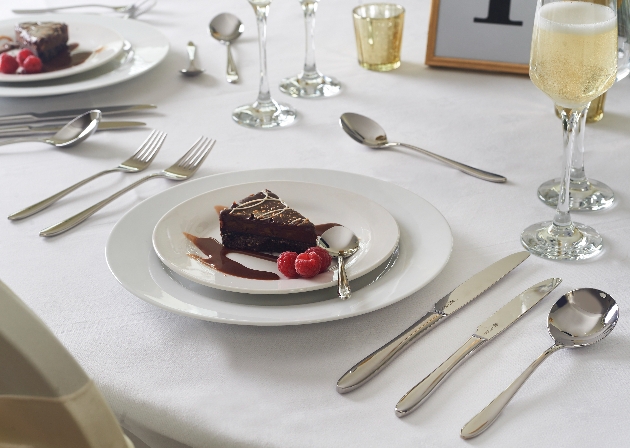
308	264
22	55
286	264
323	255
8	64
32	64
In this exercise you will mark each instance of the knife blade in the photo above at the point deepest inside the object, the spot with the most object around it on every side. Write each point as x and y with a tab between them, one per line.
365	369
64	115
21	131
489	329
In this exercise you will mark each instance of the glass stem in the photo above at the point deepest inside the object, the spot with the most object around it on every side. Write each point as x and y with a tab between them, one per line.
310	70
578	177
262	11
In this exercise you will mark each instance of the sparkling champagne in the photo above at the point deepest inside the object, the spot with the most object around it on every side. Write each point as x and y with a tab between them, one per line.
574	51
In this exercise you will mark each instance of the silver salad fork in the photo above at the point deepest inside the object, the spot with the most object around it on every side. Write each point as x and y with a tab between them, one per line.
130	11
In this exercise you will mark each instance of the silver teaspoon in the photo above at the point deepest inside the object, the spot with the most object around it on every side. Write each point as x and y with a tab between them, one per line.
368	132
226	28
342	243
579	318
192	69
71	134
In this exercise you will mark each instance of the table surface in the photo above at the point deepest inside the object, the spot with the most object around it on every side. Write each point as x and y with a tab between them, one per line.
185	382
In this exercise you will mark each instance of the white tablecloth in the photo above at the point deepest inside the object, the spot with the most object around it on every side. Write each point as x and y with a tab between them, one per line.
185	382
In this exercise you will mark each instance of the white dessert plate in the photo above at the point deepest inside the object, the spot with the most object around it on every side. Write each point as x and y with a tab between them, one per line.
424	249
144	48
374	226
104	43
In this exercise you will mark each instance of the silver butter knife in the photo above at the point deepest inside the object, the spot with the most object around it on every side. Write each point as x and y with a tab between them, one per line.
20	131
365	369
492	327
65	115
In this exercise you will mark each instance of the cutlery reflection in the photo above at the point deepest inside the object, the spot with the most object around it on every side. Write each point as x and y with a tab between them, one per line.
129	11
136	163
183	169
63	115
23	131
192	69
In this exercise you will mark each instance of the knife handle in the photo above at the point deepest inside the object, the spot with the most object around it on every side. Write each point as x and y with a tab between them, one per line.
365	369
412	399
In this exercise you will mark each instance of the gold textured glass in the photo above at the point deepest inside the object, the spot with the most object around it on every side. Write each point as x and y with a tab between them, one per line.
378	28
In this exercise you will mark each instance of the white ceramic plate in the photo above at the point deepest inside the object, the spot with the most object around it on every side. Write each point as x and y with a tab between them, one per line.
376	228
144	48
104	44
425	247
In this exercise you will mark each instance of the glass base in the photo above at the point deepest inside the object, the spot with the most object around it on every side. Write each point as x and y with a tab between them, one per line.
301	87
576	242
584	196
264	115
381	67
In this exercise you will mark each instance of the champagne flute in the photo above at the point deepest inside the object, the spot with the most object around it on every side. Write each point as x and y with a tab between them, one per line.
264	112
310	83
573	60
588	194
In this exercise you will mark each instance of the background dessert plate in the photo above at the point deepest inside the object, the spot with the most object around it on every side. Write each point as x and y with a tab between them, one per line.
144	48
424	249
376	228
104	43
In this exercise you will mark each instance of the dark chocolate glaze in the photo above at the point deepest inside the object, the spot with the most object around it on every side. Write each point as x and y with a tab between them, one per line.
66	59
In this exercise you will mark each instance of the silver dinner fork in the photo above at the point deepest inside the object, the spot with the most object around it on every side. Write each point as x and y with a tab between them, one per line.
183	169
130	11
136	163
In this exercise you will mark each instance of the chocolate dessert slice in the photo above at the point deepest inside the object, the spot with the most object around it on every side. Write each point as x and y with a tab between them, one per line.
45	39
262	222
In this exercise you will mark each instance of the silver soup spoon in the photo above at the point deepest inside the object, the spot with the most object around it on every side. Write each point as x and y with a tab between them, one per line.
579	318
368	132
226	28
192	69
342	243
71	134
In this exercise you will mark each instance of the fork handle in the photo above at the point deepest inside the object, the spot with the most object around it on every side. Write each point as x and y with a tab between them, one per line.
35	208
77	219
59	8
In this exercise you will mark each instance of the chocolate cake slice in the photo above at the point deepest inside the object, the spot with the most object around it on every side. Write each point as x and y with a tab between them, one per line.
45	39
262	222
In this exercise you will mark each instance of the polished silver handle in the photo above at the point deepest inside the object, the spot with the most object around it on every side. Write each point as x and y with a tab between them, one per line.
343	286
77	219
31	210
192	52
22	140
412	399
232	73
481	174
365	369
60	8
482	421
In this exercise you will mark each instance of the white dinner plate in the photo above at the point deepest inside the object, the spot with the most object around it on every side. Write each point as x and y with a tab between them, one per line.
104	44
374	226
424	249
144	48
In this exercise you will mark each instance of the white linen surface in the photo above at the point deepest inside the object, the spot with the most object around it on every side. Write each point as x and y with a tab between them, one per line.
184	382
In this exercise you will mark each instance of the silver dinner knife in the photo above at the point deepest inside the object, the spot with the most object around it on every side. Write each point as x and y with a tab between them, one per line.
365	369
21	131
65	115
492	327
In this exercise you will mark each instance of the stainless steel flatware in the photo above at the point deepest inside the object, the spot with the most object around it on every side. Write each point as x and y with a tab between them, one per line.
183	169
192	69
368	132
70	135
129	11
136	163
22	131
340	242
226	28
64	115
579	318
365	369
490	328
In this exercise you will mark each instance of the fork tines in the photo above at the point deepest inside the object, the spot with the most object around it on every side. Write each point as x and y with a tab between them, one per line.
197	153
150	145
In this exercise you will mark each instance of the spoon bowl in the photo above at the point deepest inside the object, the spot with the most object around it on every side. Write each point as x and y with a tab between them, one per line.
226	28
340	242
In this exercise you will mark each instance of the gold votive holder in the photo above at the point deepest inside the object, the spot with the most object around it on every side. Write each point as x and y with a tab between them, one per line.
378	29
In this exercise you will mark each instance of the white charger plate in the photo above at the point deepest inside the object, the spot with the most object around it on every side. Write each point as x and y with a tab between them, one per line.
374	226
144	48
425	247
103	42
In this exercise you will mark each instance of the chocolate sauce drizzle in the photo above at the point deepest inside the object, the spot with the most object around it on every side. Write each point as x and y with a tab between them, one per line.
63	60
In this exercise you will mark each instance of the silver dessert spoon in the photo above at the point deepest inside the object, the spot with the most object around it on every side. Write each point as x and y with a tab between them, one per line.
192	69
226	28
71	134
342	243
368	132
579	318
